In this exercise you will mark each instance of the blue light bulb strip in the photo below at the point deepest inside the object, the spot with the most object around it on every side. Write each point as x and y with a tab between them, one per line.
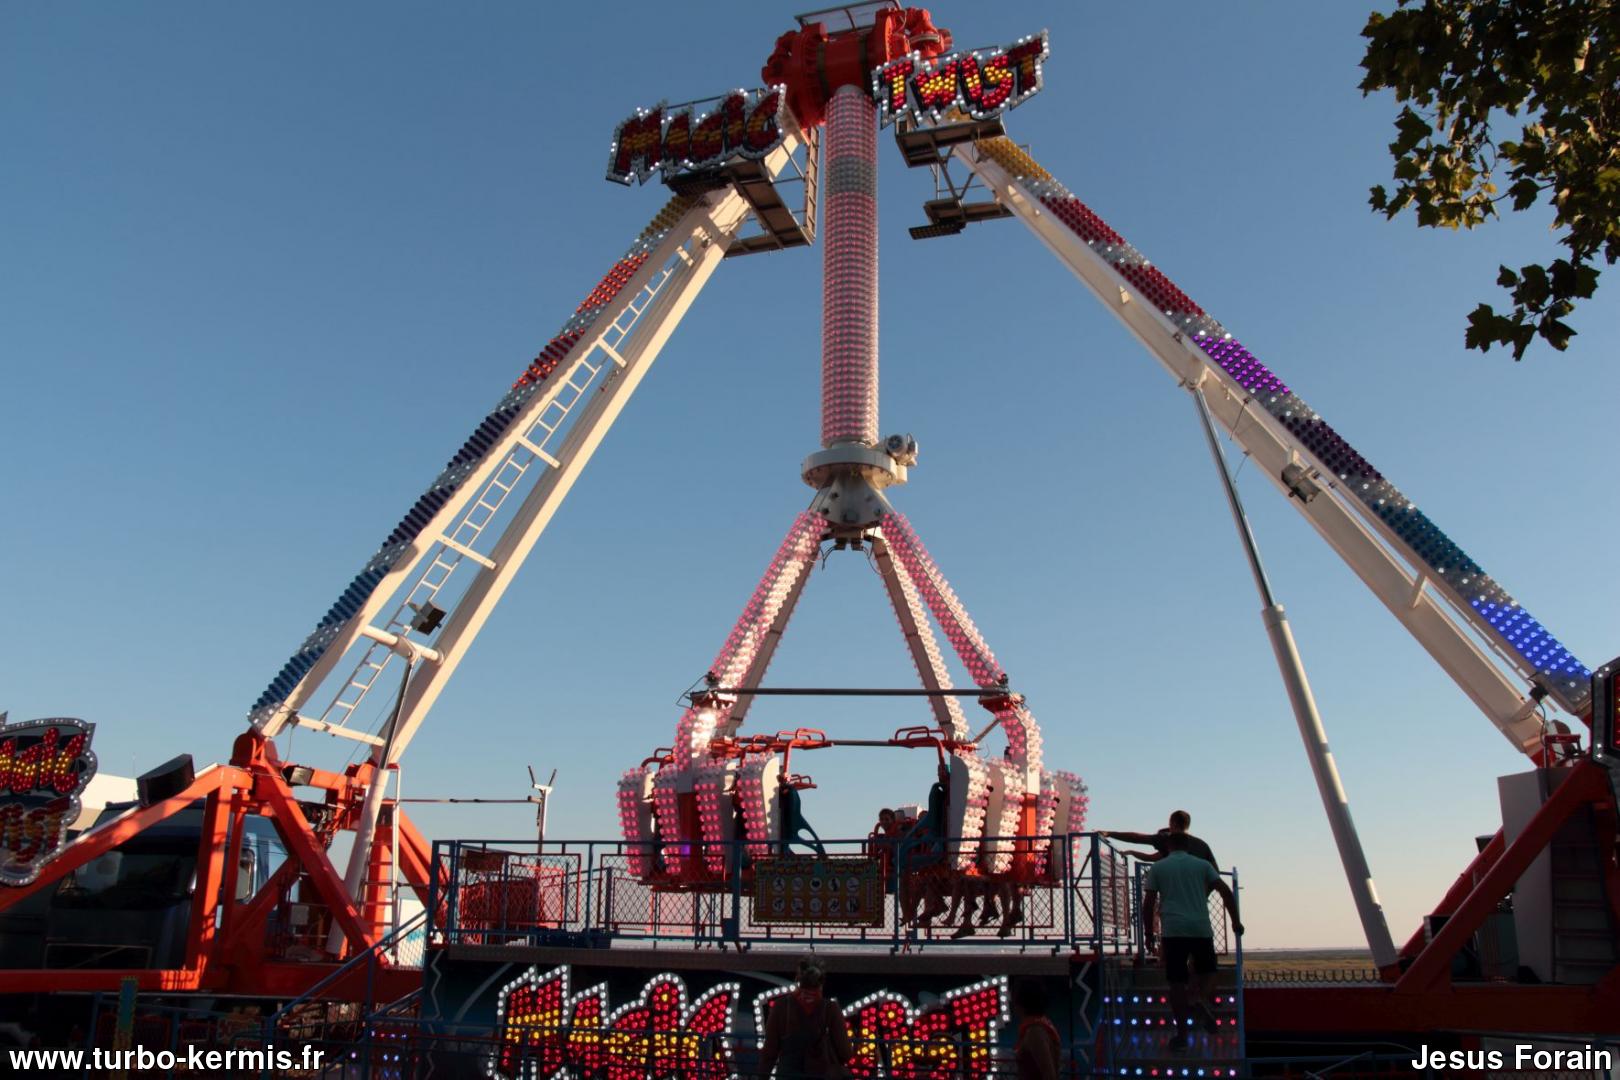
463	464
1550	663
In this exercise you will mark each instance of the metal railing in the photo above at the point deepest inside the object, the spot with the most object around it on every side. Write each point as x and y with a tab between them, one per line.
311	1017
1068	893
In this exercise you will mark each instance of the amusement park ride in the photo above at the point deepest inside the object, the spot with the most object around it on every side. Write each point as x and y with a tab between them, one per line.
749	173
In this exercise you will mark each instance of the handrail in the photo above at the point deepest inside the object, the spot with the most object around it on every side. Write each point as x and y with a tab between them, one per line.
390	940
598	892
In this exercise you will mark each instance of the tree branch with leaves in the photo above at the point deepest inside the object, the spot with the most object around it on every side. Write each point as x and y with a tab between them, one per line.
1465	73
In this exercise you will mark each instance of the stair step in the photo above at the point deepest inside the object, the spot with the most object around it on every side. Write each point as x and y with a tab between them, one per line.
1155	1046
1178	1065
1581	972
1153	979
1222	1002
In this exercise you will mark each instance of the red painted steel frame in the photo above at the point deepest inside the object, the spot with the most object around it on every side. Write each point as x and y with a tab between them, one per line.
226	941
1341	1011
1587	785
1458	892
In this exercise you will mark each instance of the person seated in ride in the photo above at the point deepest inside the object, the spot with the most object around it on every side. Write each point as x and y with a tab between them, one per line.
888	825
922	863
795	828
880	845
966	892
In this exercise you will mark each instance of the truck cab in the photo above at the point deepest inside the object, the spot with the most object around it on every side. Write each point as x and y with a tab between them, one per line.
130	908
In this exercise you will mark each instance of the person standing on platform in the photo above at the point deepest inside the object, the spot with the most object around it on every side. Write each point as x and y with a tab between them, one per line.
806	1037
1180	822
1180	884
1038	1053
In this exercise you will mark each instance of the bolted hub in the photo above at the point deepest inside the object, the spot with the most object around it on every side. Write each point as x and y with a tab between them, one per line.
850	478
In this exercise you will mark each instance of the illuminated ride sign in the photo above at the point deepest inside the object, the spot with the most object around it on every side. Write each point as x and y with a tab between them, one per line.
44	768
547	1033
951	1038
745	124
749	124
543	1031
982	84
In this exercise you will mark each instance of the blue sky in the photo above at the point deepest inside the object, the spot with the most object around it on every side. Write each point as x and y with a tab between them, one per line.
264	267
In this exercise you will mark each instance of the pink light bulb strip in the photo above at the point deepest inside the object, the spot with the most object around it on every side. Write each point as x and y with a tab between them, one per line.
953	618
1023	733
973	810
715	807
756	809
793	558
1046	803
997	854
958	726
632	789
849	290
667	805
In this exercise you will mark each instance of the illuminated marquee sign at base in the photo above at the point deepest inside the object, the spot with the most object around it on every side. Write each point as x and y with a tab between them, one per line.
44	768
546	1032
543	1031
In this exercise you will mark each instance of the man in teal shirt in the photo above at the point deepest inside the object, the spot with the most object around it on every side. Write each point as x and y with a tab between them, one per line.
1178	888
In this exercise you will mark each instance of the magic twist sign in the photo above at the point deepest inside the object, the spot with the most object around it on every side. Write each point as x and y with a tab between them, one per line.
745	124
980	84
749	124
45	766
544	1031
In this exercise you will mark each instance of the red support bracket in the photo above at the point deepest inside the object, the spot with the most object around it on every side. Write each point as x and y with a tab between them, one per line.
213	848
1431	970
1459	890
302	844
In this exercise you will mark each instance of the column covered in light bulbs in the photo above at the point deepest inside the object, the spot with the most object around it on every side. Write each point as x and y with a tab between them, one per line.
849	290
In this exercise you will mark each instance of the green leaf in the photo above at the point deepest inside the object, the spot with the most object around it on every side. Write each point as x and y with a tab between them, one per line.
1543	74
1523	193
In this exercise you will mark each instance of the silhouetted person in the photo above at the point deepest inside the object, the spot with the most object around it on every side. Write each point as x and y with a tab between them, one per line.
1180	822
1177	887
806	1037
1038	1052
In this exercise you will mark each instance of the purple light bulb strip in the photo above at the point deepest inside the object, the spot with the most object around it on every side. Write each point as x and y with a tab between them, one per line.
1551	663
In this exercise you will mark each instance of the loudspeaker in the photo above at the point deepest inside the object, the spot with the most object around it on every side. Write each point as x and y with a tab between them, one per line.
166	781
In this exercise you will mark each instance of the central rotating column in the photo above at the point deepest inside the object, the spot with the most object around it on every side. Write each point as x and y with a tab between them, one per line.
849	290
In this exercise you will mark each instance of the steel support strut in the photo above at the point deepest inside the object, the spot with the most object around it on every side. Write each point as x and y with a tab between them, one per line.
1311	730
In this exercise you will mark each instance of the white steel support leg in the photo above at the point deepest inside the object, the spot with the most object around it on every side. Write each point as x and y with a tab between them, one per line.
365	830
535	512
920	643
755	672
1017	722
1334	801
1364	545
